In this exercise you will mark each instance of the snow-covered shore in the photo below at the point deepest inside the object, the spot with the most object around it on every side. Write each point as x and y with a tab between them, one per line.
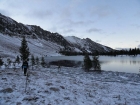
70	86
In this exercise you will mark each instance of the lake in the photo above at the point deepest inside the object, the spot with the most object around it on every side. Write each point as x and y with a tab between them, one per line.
129	64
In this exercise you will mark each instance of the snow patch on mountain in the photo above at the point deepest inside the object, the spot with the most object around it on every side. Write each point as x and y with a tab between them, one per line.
29	27
87	44
9	46
75	40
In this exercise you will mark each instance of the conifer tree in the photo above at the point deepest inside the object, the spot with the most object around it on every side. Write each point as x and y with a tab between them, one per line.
17	60
87	62
32	60
1	61
96	63
14	65
42	62
37	61
24	50
9	62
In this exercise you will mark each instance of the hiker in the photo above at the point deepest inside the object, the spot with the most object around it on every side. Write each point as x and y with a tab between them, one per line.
25	67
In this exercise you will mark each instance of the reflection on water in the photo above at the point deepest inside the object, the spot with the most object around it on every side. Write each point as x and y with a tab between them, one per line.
134	62
120	63
66	63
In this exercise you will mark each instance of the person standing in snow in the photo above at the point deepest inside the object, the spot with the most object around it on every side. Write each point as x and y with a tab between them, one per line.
25	67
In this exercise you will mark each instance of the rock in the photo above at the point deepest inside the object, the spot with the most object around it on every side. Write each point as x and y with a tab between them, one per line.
54	89
31	98
7	90
49	84
18	103
62	87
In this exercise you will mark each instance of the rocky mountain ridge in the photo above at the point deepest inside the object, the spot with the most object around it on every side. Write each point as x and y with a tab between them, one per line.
55	41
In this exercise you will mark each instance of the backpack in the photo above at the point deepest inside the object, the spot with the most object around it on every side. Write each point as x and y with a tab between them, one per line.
24	66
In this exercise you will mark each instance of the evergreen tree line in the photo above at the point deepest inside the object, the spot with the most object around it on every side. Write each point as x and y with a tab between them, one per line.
33	61
130	52
8	62
37	61
70	53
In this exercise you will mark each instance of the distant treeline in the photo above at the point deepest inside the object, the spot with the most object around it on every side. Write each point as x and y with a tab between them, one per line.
131	52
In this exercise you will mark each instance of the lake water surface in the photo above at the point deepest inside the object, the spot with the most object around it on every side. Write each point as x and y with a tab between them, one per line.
127	64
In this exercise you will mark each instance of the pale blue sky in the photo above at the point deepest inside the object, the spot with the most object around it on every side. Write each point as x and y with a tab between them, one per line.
114	23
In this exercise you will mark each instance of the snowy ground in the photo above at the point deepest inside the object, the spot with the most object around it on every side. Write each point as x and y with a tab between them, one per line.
70	86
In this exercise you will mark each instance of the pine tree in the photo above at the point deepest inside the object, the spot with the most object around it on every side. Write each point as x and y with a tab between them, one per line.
42	62
14	65
1	61
24	50
17	60
96	63
32	60
9	62
87	62
37	61
130	51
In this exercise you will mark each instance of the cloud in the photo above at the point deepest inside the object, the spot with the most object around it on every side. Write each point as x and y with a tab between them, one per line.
137	41
68	31
137	14
136	25
101	11
77	23
65	13
94	30
66	23
40	14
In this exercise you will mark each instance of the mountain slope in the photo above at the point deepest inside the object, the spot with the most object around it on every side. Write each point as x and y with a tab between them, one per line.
41	42
13	28
9	46
87	44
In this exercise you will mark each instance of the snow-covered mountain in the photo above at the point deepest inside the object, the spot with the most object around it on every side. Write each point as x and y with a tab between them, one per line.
87	44
41	42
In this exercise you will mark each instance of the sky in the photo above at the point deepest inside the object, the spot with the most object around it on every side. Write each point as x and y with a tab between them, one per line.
114	23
